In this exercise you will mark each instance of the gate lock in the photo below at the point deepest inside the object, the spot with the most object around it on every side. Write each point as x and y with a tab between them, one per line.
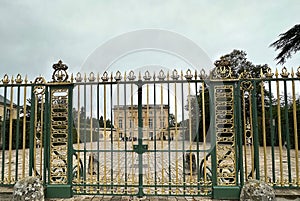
140	149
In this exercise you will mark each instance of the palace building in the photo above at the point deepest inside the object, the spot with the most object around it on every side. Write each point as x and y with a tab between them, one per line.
154	117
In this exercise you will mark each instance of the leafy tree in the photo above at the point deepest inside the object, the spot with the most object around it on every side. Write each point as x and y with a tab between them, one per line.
239	63
241	67
197	115
101	122
172	121
288	43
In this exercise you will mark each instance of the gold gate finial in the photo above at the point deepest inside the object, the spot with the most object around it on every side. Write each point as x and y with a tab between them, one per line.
223	69
60	72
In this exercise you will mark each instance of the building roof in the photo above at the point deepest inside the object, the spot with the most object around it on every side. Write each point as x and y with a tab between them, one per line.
2	100
135	107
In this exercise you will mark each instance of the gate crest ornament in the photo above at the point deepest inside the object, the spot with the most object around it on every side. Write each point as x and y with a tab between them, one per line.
60	72
222	70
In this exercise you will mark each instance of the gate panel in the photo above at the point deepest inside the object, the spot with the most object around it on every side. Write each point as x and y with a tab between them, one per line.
60	134
105	160
22	128
131	142
270	122
226	183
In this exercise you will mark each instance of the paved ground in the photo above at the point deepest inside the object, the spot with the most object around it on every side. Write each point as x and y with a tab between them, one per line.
154	163
281	195
8	197
109	198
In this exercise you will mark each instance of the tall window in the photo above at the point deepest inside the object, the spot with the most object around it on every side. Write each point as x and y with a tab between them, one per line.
151	135
120	123
162	123
7	113
150	123
130	123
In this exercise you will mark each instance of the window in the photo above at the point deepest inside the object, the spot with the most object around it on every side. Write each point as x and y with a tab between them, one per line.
162	123
120	123
151	135
7	113
130	123
150	123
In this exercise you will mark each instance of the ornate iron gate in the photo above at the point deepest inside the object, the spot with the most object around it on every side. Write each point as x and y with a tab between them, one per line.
146	151
168	134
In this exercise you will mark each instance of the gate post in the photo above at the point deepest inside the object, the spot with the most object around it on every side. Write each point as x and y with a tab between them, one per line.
59	181
225	131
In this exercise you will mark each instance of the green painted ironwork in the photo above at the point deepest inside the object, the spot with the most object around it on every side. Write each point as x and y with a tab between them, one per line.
109	154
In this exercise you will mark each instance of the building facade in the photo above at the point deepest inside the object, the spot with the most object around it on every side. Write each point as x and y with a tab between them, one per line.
5	105
154	117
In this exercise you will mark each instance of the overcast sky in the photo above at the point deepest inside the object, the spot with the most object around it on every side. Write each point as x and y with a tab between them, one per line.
36	34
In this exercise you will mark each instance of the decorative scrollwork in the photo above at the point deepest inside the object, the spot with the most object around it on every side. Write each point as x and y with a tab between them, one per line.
246	85
118	76
19	79
202	74
5	79
175	75
222	69
269	73
131	76
92	77
188	75
161	75
78	77
59	136
298	72
60	72
284	73
39	88
105	77
245	75
147	76
225	151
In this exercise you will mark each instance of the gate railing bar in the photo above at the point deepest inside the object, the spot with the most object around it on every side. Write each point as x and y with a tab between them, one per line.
10	132
85	168
183	141
91	156
262	91
3	133
98	127
24	129
176	137
132	135
46	139
155	138
105	136
197	136
295	128
17	129
147	119
279	129
31	135
168	130
240	137
161	114
286	132
204	134
272	124
255	134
